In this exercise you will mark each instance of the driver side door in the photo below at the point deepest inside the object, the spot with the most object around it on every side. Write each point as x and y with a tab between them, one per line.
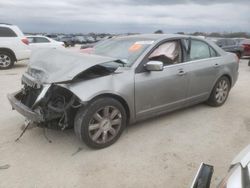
157	92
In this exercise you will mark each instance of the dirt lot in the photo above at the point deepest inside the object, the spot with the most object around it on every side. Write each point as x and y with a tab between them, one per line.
161	152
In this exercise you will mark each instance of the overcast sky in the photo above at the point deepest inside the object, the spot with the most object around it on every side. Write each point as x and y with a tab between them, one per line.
120	16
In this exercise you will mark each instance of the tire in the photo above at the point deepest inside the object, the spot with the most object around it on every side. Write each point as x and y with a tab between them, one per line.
220	92
6	60
101	123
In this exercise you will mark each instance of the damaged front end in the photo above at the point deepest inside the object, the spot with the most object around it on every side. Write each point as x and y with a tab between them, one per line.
45	99
47	105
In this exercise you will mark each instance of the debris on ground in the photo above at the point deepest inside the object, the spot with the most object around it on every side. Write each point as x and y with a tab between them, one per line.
77	151
4	167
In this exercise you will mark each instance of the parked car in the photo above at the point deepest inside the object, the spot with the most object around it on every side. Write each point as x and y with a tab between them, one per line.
39	41
124	80
13	45
246	46
68	41
92	45
80	39
53	36
237	176
230	45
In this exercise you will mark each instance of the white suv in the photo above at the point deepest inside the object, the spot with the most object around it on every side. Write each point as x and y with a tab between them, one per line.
13	46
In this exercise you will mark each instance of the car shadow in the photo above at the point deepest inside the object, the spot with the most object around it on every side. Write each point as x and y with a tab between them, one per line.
66	141
165	116
20	65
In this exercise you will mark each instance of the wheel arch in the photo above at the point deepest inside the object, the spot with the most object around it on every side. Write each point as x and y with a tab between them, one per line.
228	77
222	75
118	98
9	51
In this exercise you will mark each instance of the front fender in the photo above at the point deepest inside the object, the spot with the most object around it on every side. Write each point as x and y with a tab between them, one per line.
121	85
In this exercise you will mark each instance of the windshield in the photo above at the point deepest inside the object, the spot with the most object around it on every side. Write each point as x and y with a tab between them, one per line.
126	50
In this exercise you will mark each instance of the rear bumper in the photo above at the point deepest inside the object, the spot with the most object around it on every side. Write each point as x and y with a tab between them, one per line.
246	53
24	110
23	55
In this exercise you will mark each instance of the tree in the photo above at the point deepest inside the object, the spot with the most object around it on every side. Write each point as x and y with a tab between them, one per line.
158	32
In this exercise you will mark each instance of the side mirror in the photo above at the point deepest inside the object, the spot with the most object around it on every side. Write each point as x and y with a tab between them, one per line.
154	66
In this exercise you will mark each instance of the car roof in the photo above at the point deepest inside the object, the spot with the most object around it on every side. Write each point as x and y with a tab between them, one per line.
156	36
6	24
36	36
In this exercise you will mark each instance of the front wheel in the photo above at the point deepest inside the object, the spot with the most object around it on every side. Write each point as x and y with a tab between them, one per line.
101	123
6	60
220	92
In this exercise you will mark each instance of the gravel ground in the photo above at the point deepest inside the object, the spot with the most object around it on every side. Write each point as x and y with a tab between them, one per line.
161	152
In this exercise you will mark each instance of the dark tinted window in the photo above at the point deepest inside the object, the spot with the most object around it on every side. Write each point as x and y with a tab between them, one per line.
7	32
199	50
41	40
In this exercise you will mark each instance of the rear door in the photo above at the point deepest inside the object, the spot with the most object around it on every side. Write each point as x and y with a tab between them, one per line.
203	70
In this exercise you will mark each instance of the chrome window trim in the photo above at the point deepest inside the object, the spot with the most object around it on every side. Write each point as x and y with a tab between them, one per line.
194	61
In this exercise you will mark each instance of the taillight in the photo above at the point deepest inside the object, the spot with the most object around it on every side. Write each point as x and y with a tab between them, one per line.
25	41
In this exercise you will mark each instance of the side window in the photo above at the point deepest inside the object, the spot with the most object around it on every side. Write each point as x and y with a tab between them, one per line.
7	32
41	40
213	53
168	53
199	50
30	39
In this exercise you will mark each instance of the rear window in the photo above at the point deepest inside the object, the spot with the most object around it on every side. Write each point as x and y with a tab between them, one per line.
7	32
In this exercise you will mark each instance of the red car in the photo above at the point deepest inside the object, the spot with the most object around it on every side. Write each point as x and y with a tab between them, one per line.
246	45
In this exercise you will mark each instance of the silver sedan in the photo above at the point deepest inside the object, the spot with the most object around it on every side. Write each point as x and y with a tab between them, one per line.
120	81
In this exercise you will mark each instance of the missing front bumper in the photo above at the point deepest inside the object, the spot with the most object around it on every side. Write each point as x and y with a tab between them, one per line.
22	109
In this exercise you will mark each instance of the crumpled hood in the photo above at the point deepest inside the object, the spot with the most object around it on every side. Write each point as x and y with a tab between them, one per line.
60	65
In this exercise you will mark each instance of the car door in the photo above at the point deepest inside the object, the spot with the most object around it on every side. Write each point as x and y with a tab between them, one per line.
203	66
159	91
41	42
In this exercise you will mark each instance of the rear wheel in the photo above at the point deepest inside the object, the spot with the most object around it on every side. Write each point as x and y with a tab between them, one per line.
220	92
6	60
101	123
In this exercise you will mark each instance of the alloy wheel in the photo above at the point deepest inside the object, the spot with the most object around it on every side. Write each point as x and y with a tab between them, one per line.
5	60
222	90
105	124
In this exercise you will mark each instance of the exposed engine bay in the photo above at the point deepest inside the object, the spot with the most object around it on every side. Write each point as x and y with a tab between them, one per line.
55	104
56	108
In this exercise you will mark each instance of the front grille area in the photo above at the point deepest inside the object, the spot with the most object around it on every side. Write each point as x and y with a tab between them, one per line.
29	95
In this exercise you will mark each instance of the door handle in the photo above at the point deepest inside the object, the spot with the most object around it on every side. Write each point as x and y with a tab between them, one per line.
181	72
216	65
